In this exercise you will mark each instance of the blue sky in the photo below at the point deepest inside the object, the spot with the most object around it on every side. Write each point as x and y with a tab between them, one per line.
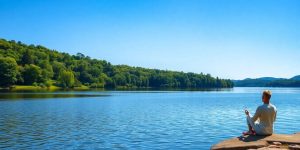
227	38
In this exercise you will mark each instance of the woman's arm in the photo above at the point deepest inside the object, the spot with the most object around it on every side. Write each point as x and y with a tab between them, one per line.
256	115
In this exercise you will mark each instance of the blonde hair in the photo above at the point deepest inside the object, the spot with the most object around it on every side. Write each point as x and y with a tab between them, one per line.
267	93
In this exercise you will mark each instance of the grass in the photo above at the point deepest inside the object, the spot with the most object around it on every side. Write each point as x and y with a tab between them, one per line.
39	88
34	88
51	88
57	88
83	87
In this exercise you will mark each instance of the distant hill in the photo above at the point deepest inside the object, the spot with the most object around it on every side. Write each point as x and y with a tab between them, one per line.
297	78
269	78
268	82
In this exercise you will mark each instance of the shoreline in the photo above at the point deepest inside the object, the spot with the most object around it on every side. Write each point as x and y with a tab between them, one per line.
52	88
16	88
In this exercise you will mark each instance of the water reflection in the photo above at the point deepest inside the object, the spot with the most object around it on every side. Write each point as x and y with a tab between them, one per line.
16	96
137	120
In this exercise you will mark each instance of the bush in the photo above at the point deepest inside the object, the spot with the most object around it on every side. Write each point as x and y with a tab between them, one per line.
34	84
48	83
42	85
97	85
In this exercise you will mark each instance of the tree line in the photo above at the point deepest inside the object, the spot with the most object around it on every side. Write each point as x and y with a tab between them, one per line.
269	82
22	64
284	83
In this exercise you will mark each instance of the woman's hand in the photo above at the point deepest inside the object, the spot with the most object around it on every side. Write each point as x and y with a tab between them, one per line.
247	112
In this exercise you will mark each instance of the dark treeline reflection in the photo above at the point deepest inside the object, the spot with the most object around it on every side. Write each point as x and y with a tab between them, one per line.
10	96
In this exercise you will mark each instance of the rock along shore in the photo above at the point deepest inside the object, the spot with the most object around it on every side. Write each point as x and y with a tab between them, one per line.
274	141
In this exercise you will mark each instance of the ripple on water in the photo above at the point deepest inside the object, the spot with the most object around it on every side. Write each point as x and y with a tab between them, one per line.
139	120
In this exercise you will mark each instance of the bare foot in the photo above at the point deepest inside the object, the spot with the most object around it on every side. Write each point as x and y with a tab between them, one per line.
249	133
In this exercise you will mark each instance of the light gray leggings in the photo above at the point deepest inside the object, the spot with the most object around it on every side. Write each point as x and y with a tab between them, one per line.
252	124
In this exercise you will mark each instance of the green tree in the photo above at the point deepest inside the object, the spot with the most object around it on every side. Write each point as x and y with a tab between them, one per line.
120	79
32	74
57	68
4	45
20	79
8	71
66	79
47	71
27	57
98	73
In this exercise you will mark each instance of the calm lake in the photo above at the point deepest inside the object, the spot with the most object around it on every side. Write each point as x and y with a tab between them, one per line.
136	119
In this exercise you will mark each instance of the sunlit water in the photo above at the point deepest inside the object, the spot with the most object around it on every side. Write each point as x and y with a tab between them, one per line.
138	120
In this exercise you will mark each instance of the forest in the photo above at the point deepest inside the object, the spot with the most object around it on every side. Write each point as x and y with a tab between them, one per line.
36	65
269	82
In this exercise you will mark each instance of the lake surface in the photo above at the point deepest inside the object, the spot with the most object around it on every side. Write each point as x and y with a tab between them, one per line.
136	119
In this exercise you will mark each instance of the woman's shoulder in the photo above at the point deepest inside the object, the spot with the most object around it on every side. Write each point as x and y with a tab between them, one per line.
272	105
